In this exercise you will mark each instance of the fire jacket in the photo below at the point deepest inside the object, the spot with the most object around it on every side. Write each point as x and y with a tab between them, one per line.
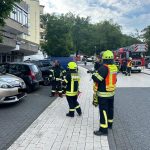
72	83
129	64
106	77
56	73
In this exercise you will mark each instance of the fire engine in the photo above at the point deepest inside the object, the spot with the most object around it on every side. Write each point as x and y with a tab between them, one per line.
136	52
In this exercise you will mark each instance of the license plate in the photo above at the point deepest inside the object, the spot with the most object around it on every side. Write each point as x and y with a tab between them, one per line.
21	90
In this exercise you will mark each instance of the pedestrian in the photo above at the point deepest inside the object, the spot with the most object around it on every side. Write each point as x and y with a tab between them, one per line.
85	62
124	66
129	66
106	78
72	89
56	76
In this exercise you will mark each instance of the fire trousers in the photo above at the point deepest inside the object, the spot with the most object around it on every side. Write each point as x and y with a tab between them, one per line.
128	71
73	105
56	86
106	109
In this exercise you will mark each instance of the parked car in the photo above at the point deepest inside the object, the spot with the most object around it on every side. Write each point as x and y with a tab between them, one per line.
12	88
45	66
29	72
148	66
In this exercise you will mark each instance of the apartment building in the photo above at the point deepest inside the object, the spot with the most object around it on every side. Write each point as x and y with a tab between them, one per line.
21	34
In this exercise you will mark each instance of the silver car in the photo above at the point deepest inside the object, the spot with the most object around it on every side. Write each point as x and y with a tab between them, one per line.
12	88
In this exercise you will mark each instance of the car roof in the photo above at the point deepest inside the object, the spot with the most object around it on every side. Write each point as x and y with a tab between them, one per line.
21	63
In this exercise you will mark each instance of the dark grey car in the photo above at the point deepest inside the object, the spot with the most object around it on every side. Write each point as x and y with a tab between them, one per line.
29	72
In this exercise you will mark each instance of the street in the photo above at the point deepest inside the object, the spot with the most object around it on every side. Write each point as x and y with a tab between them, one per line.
15	118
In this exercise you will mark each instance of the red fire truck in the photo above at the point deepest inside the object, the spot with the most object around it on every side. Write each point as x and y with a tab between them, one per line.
136	52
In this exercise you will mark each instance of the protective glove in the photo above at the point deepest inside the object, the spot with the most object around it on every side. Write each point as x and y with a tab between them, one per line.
95	100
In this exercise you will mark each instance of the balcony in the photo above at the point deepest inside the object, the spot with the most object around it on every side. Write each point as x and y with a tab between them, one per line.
15	27
10	41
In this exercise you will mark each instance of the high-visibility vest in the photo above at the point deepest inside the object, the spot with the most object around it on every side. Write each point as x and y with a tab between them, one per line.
111	78
129	64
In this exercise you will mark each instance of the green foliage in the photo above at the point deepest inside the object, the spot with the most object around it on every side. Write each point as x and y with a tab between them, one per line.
58	36
5	9
68	33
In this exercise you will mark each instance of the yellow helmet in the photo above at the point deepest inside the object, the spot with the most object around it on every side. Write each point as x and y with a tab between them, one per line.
72	65
108	55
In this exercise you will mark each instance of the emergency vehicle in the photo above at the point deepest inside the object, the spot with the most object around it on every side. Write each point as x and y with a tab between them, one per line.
136	52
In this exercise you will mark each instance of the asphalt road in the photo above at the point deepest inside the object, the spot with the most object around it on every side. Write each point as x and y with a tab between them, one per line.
15	118
131	130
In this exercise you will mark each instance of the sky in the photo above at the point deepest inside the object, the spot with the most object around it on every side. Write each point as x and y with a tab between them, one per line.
130	14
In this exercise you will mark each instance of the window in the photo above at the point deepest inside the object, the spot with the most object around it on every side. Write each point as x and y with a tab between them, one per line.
19	15
25	18
35	69
8	58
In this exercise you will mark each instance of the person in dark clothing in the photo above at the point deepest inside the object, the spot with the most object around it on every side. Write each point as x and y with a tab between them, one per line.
72	89
124	66
106	78
56	76
97	64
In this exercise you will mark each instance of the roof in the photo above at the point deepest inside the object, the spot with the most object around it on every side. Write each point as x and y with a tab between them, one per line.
21	63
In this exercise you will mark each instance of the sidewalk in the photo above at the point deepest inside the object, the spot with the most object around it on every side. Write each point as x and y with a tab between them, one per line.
52	130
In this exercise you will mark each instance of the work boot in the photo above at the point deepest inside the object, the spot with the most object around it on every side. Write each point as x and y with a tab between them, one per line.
69	115
79	111
99	133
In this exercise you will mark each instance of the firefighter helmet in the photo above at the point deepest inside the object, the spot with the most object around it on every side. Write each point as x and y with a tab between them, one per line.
72	65
108	55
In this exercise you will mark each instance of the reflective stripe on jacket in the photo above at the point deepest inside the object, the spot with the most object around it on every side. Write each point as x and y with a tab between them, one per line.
72	85
129	64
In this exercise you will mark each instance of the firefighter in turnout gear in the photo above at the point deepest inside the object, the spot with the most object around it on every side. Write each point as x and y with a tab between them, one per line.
72	89
56	76
106	78
129	65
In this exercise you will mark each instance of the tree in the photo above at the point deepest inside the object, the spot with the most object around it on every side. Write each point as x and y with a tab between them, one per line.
146	37
79	35
58	36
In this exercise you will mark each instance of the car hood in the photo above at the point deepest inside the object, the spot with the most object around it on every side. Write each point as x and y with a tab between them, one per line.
10	79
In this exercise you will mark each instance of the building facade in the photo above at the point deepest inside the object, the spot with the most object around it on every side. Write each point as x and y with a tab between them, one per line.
21	34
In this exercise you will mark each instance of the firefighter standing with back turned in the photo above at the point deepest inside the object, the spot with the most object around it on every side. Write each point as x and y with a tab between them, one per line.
106	78
72	89
56	75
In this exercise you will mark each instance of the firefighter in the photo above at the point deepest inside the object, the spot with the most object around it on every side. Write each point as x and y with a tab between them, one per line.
56	76
72	89
129	65
124	66
106	78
